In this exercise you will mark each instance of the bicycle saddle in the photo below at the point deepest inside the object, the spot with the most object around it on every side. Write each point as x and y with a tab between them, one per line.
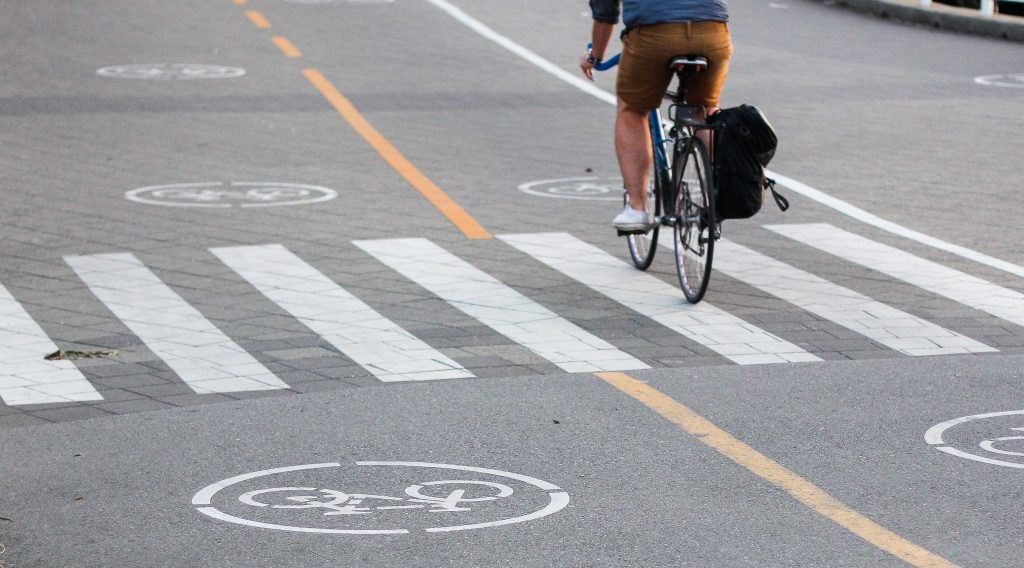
690	64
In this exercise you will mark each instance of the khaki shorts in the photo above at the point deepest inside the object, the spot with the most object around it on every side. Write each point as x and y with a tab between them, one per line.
644	75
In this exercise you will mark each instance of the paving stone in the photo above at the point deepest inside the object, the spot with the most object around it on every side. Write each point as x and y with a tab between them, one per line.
319	386
293	377
77	412
118	395
876	354
251	395
162	390
345	373
108	370
21	419
5	410
131	381
132	406
193	399
844	345
506	371
302	353
314	363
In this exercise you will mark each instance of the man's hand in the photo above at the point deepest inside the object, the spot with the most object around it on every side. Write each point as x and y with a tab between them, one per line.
600	36
587	64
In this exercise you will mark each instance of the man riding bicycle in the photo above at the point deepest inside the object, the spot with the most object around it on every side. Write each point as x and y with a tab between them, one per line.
656	30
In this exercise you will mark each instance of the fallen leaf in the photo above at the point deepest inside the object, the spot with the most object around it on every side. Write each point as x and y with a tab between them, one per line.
62	355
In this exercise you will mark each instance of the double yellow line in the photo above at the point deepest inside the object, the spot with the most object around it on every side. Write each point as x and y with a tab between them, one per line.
458	216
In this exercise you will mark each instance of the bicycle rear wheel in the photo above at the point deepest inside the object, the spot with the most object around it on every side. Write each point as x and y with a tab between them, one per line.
694	230
643	246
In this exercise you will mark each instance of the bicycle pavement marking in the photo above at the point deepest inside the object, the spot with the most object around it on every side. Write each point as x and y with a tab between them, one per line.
807	191
760	465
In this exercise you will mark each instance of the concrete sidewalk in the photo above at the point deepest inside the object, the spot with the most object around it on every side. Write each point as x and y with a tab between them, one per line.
944	17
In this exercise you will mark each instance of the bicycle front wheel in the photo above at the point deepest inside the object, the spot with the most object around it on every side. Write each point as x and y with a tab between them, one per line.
643	246
694	228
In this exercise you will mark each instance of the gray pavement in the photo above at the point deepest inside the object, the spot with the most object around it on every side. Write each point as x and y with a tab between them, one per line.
642	492
885	117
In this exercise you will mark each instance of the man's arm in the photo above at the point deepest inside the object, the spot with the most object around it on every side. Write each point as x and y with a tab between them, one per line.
605	11
606	15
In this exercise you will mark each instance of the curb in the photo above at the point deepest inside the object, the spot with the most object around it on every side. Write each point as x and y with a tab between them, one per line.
943	17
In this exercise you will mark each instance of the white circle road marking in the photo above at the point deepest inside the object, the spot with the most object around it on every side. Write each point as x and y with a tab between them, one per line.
934	437
337	503
233	194
583	188
171	71
1012	80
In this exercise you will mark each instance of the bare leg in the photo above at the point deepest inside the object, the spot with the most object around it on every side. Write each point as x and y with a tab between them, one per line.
633	148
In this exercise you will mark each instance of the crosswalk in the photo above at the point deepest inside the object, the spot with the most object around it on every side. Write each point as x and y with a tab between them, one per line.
209	361
378	344
204	358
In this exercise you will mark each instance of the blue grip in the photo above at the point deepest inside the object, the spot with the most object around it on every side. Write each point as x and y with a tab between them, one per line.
605	65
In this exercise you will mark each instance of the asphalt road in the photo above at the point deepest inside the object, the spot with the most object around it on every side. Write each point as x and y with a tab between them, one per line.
714	448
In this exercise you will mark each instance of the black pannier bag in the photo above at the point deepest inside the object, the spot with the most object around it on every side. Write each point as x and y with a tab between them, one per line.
744	144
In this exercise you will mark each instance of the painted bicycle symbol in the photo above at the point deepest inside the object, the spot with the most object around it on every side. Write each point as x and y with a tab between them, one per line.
213	195
231	194
171	71
362	498
341	503
990	445
587	188
997	450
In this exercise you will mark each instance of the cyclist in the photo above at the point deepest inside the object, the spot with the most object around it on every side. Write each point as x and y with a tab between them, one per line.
655	31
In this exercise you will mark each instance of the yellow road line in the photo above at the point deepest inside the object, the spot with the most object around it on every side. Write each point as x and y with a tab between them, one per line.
456	214
241	2
287	47
257	19
799	488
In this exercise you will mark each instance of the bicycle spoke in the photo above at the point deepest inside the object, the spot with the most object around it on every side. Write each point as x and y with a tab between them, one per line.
694	232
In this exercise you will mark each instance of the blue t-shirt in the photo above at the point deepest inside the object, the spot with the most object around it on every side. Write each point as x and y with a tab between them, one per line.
648	12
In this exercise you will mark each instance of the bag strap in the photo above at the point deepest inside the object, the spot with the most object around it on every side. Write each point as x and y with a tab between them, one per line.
780	200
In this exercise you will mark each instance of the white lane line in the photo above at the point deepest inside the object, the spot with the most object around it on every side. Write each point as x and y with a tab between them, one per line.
500	307
206	359
957	286
549	67
25	376
889	326
703	323
863	216
381	346
803	189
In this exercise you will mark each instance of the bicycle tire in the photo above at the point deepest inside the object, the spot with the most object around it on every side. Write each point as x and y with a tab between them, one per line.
643	246
694	229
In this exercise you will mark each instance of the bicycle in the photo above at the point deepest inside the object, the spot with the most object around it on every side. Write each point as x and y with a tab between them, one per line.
683	185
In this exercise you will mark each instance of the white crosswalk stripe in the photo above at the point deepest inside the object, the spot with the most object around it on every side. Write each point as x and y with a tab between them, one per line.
893	328
210	362
206	359
723	333
381	346
500	307
25	376
957	286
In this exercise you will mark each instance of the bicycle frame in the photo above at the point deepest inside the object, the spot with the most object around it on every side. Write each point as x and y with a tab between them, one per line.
662	162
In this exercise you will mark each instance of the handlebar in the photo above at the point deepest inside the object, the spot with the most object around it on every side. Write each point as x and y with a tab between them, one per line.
605	65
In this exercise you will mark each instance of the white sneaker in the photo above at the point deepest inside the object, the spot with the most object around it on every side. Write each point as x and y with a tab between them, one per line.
631	220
